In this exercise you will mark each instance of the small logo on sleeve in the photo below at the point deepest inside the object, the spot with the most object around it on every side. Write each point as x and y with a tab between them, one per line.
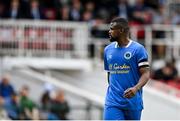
109	57
127	55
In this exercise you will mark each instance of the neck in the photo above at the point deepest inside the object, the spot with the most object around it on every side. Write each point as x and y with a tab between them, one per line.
123	41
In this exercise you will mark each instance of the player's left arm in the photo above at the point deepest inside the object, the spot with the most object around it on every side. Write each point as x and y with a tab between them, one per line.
143	66
145	74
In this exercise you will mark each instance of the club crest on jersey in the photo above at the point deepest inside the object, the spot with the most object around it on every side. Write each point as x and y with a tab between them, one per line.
127	55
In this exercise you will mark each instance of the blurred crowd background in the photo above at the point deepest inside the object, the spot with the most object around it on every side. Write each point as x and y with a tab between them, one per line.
92	11
16	104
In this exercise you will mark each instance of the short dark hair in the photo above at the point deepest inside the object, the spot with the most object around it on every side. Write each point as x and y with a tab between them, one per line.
121	22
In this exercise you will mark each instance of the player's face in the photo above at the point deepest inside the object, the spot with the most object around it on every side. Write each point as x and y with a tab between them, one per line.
113	33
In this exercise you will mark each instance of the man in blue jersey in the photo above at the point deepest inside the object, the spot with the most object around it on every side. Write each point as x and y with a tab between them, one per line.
126	62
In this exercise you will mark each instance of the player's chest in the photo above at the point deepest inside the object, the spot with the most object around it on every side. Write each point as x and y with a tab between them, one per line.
120	56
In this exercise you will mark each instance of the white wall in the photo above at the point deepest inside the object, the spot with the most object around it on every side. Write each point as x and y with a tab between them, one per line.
160	106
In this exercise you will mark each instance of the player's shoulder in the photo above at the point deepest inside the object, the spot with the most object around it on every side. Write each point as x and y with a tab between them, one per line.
137	45
110	46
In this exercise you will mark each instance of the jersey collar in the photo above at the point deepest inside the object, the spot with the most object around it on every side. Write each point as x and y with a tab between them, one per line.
130	41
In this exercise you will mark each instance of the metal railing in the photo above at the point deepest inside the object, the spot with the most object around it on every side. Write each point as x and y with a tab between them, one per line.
72	39
43	38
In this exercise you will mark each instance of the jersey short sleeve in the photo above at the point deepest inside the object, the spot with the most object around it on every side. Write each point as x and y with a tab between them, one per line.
105	60
142	57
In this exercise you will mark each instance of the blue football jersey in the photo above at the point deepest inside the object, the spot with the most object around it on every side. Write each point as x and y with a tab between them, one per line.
123	64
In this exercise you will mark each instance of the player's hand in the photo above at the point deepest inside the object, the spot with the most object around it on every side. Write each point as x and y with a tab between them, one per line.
130	92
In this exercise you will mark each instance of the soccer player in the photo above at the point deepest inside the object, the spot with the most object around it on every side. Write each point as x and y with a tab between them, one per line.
126	62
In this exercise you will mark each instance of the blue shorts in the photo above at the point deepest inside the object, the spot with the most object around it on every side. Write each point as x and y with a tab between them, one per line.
114	113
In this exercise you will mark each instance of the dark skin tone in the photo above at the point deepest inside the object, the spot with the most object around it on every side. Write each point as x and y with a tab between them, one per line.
120	35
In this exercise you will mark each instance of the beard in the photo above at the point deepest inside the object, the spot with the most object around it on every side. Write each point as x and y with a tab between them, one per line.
113	39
